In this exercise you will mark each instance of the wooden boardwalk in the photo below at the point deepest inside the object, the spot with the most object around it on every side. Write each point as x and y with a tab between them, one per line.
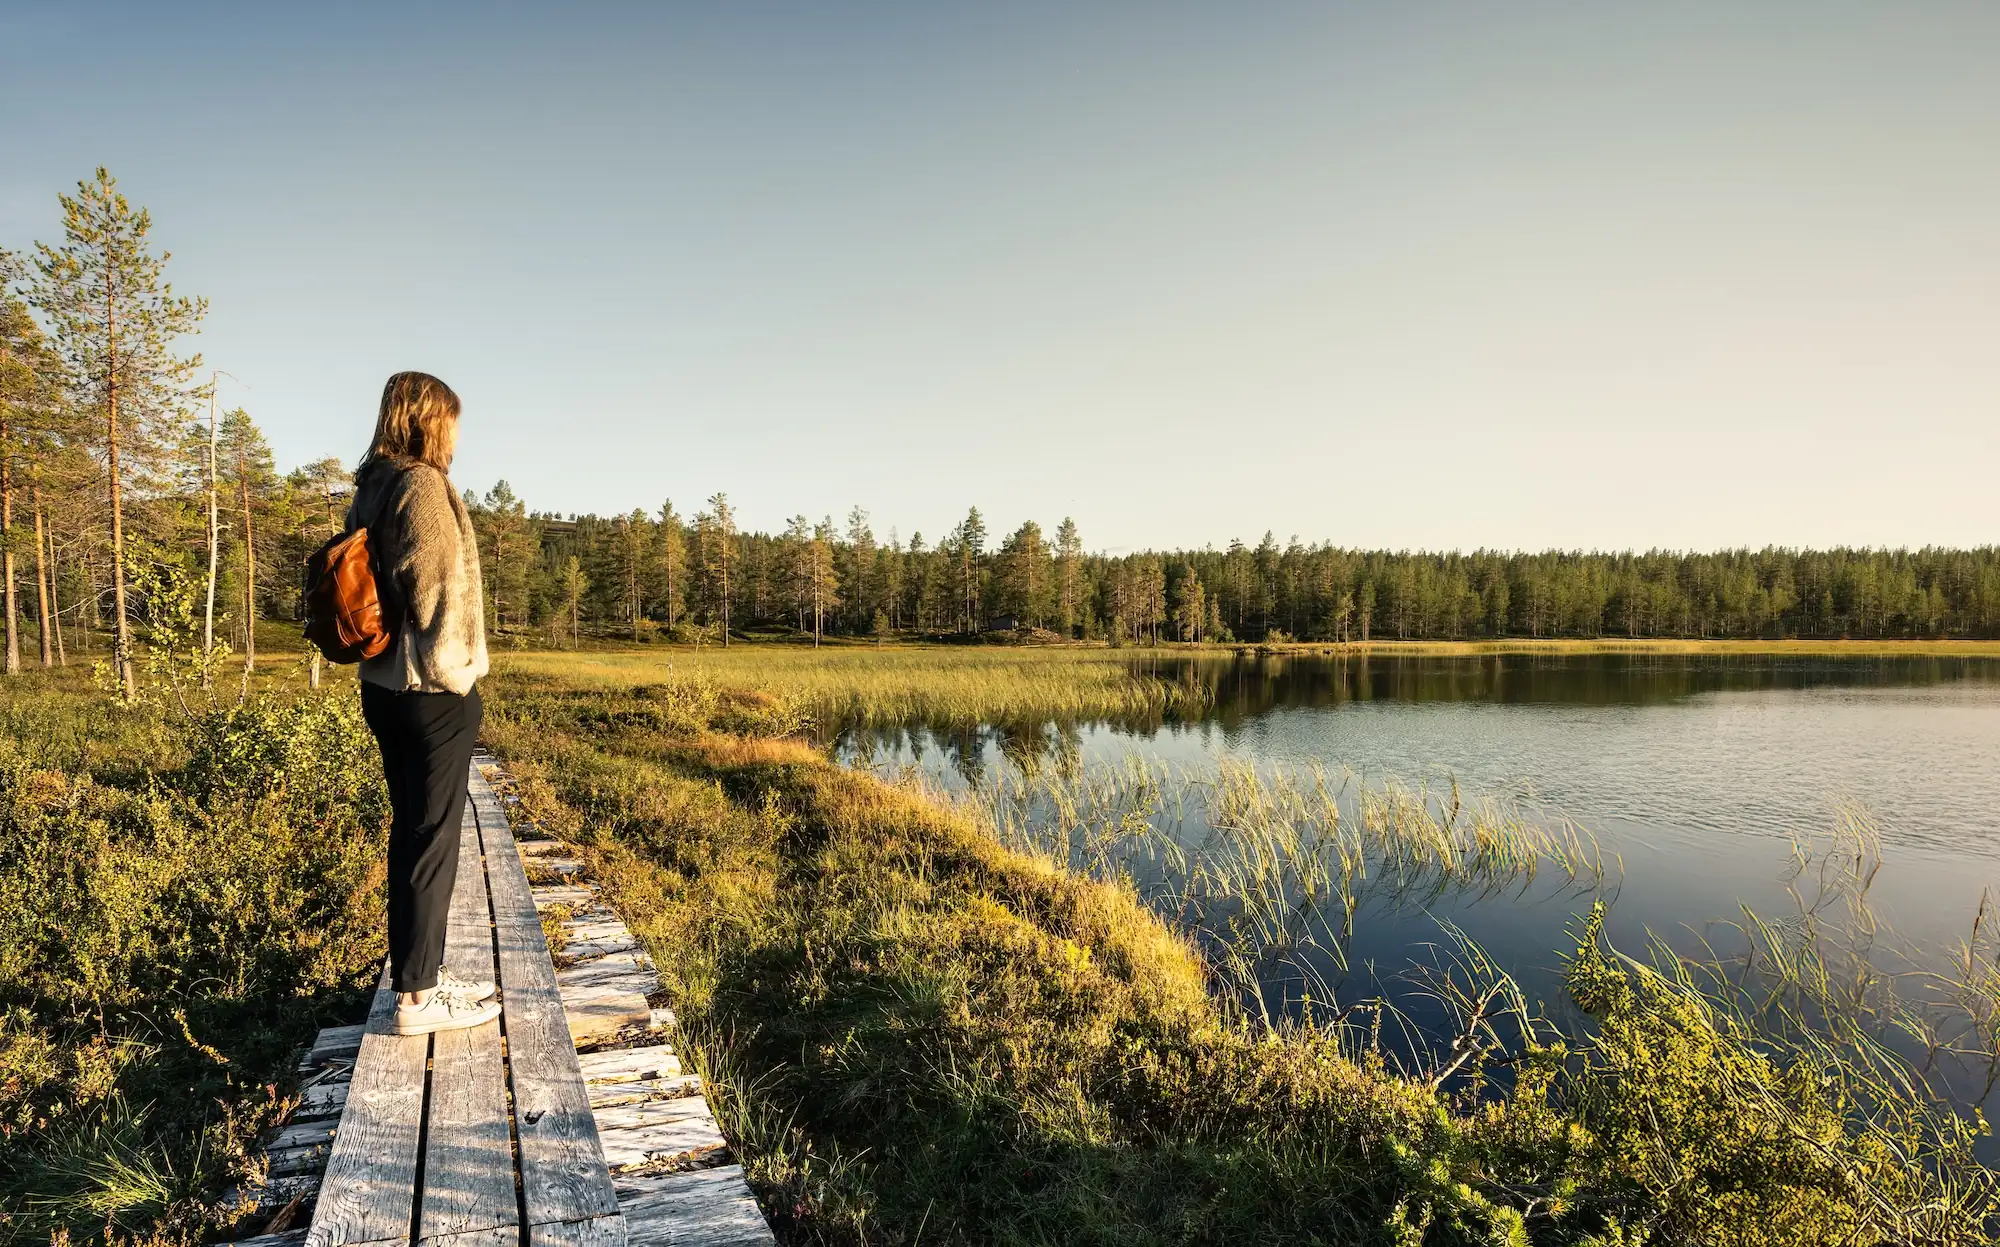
503	1135
481	1137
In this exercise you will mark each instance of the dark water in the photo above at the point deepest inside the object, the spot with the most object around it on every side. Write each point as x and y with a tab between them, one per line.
1693	772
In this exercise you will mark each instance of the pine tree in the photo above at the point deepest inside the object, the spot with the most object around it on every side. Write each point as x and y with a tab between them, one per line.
574	584
507	535
632	545
30	416
825	581
971	541
889	575
798	568
114	320
670	545
1190	604
917	582
246	457
1069	557
860	561
722	522
1023	578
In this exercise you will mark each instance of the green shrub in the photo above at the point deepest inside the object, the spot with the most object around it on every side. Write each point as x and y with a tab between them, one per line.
176	915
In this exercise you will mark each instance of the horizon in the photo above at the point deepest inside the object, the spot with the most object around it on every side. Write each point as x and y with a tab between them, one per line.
1537	281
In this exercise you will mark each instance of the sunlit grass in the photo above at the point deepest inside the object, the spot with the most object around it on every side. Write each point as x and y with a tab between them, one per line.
875	686
1270	868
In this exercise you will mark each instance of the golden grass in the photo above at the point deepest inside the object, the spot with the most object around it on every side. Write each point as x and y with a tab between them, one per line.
879	685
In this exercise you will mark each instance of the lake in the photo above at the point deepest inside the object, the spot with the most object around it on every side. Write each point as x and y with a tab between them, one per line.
1694	773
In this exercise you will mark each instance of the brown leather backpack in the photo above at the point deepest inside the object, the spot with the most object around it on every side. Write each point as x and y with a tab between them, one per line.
343	610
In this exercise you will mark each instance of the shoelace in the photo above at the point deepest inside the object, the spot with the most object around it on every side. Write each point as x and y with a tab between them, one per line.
455	1002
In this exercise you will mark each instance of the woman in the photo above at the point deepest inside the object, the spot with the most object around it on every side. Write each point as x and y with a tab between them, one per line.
421	695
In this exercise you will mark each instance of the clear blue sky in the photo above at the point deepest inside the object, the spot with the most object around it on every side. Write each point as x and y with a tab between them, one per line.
1402	275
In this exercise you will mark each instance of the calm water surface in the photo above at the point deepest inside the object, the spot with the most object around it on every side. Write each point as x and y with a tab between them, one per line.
1694	771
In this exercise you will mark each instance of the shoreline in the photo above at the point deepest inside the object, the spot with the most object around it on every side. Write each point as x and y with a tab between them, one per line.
1831	648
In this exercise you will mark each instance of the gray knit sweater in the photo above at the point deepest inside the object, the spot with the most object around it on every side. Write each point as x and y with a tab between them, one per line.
427	570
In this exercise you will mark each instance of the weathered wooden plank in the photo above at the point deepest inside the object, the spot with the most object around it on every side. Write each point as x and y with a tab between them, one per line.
578	952
468	1156
286	1162
496	1236
624	1064
274	1193
651	1113
300	1134
617	971
562	1169
606	995
611	927
638	1134
607	1094
600	1015
558	894
335	1043
698	1208
606	1231
370	1179
321	1099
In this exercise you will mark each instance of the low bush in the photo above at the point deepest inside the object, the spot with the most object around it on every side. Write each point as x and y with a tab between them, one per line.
180	907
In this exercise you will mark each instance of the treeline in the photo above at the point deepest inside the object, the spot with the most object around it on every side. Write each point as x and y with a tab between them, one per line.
644	573
116	457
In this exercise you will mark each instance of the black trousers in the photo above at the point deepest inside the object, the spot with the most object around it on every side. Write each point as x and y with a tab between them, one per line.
426	741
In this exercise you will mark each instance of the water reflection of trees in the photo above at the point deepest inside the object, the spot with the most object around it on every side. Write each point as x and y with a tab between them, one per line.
1228	693
1235	688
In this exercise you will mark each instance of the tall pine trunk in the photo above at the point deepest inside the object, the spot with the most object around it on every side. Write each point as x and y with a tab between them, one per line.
42	584
214	550
121	653
249	573
7	550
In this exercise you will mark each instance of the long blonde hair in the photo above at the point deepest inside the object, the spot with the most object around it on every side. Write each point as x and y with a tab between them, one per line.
418	420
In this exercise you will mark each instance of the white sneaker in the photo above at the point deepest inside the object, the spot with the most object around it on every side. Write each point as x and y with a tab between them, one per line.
471	989
444	1011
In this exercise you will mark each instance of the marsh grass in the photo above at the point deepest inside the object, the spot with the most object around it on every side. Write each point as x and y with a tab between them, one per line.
1282	862
1269	870
863	686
